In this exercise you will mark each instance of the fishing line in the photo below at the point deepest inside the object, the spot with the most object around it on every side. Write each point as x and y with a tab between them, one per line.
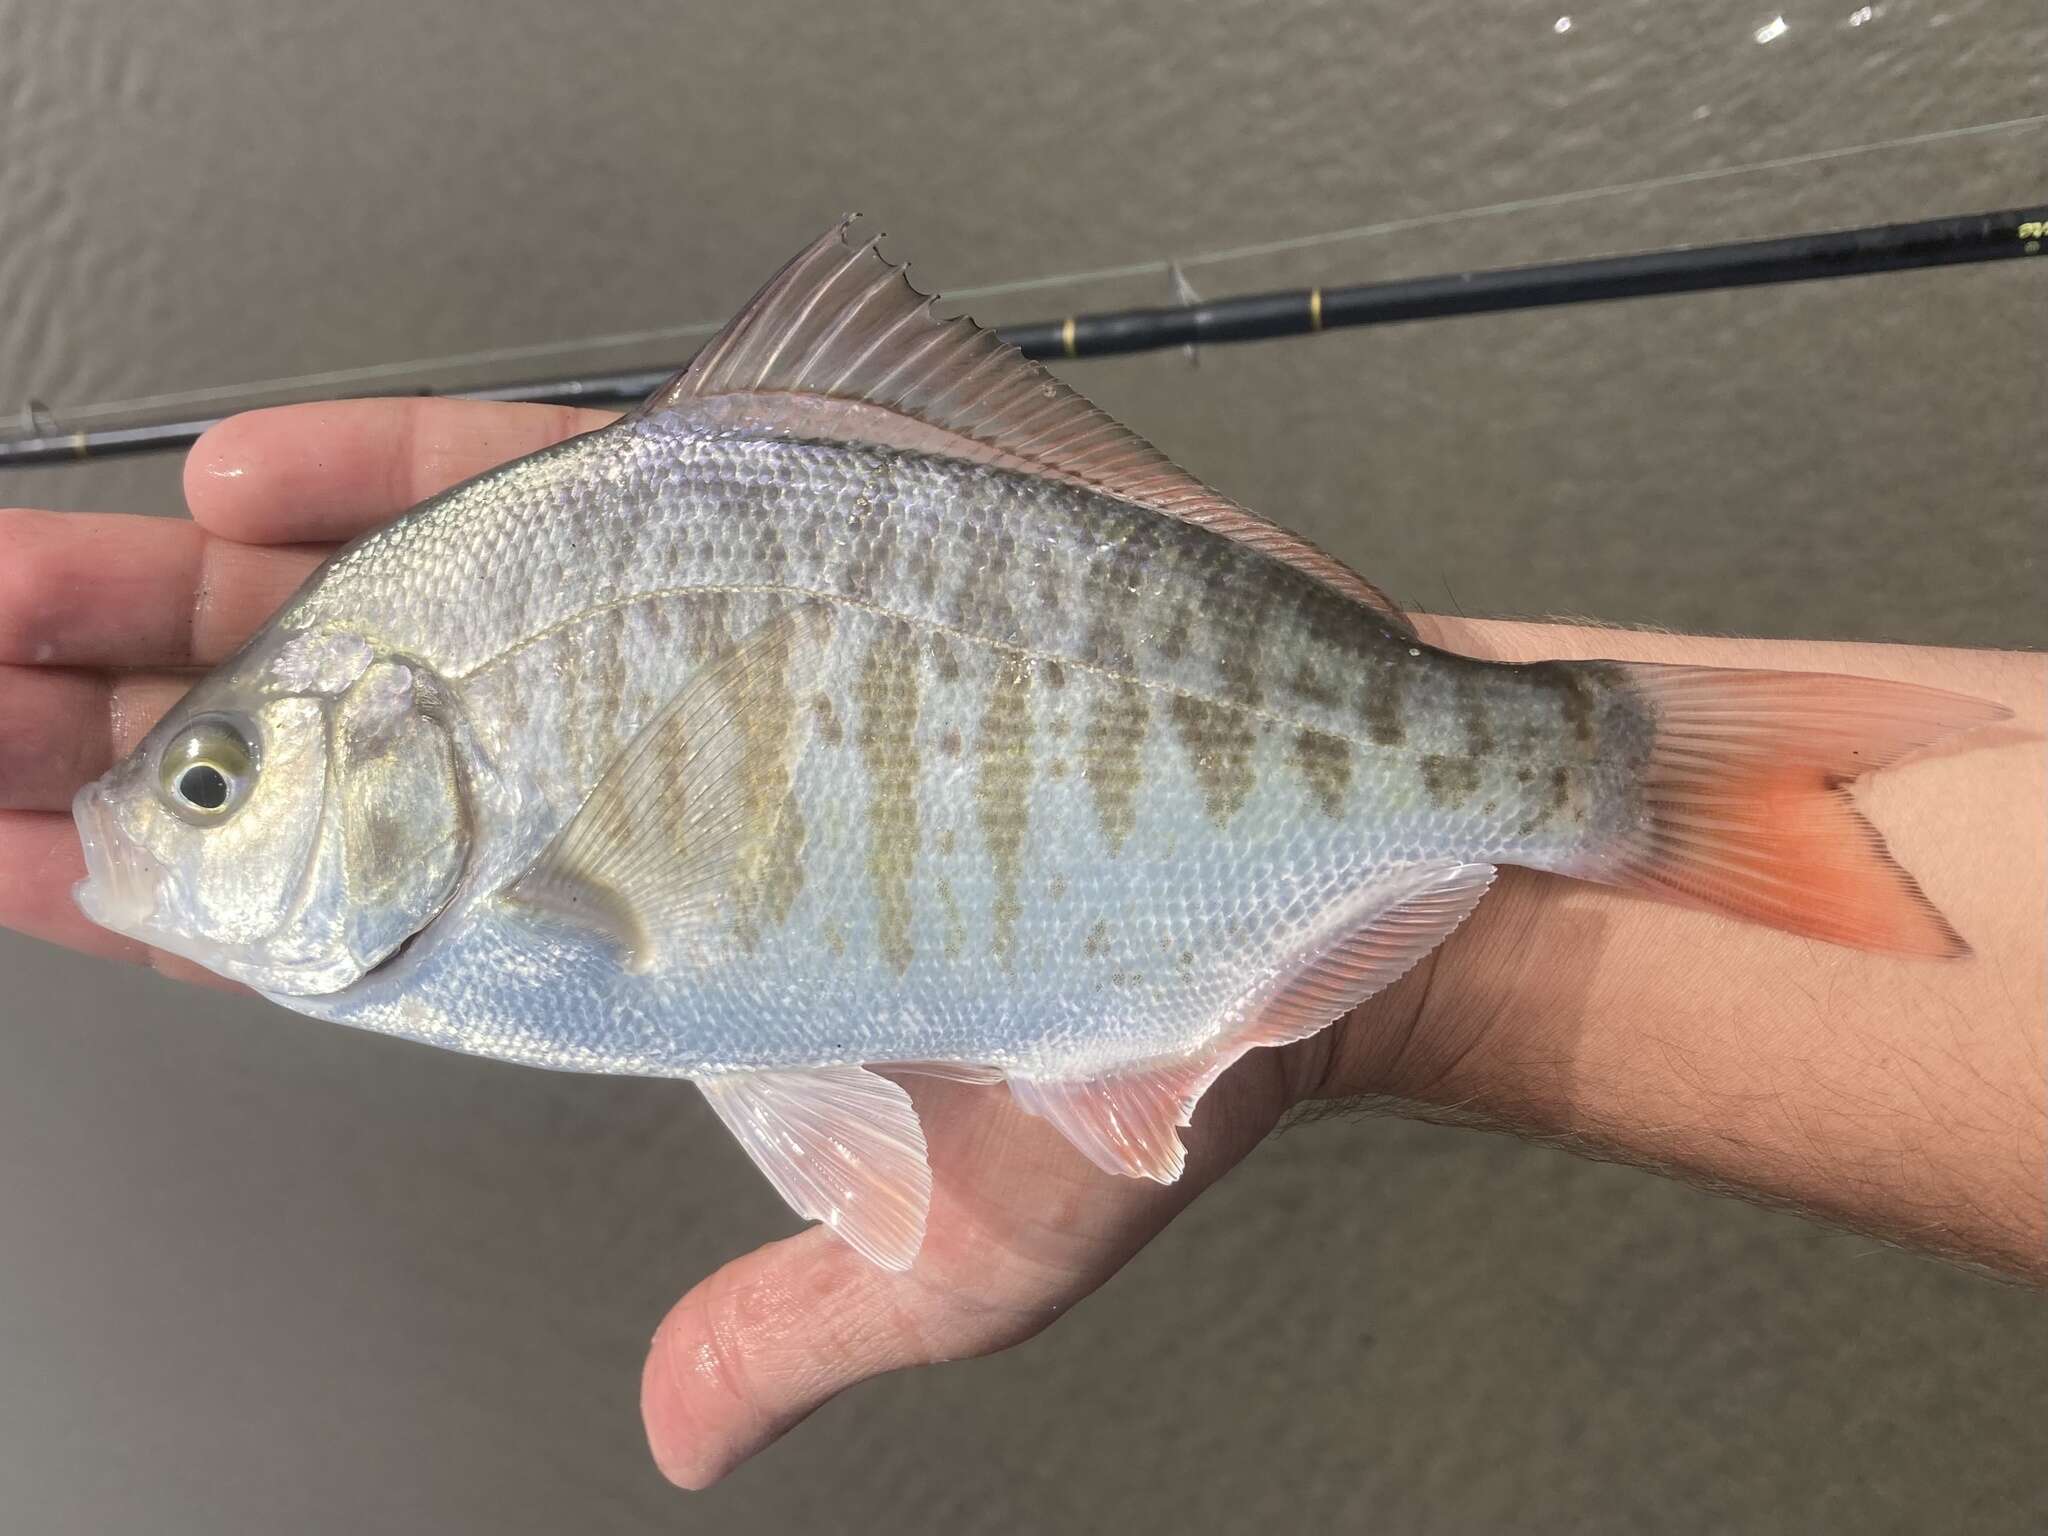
349	378
1983	237
1491	210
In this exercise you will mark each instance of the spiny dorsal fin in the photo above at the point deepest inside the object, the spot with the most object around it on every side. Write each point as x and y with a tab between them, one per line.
839	346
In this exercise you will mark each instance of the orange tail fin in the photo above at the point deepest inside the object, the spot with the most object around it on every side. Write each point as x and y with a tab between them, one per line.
1748	807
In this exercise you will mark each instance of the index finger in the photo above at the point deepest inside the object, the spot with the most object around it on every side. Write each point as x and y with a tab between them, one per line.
327	471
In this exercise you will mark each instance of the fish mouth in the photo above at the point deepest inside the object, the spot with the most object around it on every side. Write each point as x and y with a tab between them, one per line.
119	890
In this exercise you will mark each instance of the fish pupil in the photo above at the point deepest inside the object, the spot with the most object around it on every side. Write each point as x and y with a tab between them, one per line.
204	787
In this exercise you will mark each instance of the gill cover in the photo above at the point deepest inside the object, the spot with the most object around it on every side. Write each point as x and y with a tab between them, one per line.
393	781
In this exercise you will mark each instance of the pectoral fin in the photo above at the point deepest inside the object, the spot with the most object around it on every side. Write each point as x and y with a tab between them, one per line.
1129	1121
650	859
841	1145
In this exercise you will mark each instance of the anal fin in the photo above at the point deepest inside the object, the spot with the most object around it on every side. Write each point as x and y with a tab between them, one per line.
1128	1121
841	1145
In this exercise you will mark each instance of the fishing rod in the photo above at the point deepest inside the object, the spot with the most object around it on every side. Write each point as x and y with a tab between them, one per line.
1952	241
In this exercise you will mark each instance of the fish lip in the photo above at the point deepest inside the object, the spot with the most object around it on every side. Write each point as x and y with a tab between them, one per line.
119	890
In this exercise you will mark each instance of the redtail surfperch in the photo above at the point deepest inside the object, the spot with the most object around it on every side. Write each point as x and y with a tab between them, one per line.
869	700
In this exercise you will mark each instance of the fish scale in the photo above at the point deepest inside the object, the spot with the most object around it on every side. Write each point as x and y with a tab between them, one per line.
869	699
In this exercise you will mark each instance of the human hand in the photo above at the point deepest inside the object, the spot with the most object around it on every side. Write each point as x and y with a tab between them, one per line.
103	620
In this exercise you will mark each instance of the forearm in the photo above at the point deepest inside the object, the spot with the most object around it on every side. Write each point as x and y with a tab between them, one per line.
1904	1097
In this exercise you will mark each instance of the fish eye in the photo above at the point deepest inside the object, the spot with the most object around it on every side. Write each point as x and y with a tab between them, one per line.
207	770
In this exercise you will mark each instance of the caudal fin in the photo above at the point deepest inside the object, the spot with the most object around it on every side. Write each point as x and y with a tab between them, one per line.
1748	807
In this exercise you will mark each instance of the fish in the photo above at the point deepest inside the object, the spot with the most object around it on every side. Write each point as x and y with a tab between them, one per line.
867	702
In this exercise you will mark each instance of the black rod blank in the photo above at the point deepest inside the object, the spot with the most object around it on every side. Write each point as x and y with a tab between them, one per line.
1303	311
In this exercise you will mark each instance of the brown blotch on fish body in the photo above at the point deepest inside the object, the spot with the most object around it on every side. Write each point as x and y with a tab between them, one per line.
982	603
1237	669
1106	646
707	625
780	879
774	554
1577	696
875	548
1218	740
1002	791
1238	672
1335	622
945	659
1577	688
660	617
1557	798
1472	713
1325	762
1112	750
769	869
950	743
829	730
1379	705
1113	578
1307	685
1120	575
924	573
1057	768
1048	587
1173	645
886	692
1055	674
955	940
607	681
1449	780
1058	887
1098	940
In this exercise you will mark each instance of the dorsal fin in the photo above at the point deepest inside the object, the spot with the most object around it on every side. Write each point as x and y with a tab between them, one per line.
839	346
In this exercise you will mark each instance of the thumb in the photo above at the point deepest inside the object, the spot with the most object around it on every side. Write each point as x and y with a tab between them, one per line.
773	1336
